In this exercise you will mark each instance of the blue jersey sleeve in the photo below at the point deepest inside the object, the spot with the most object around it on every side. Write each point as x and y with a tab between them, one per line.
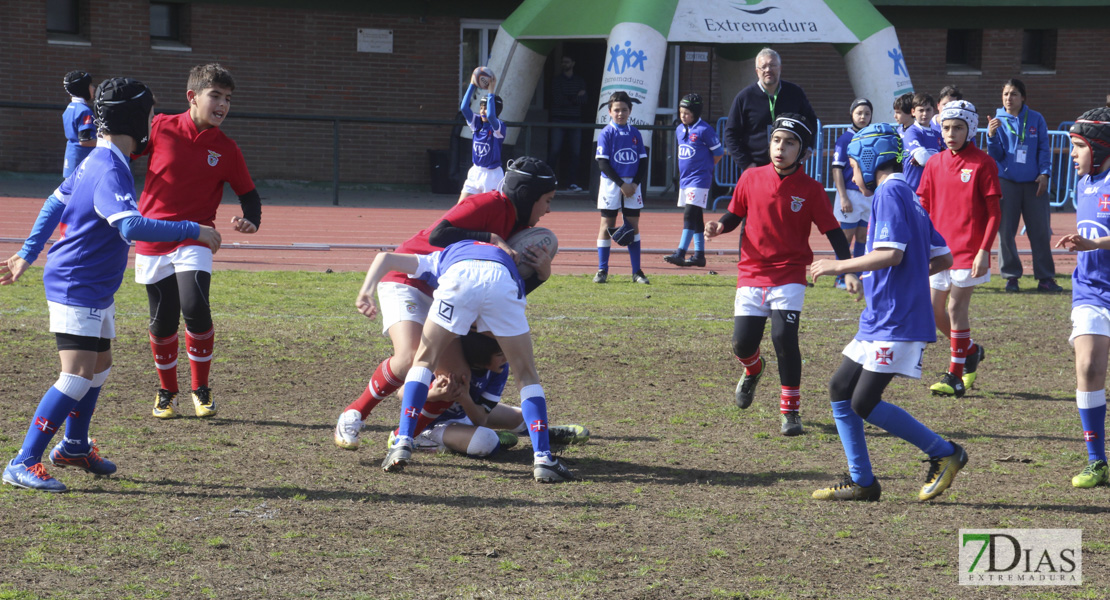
711	141
495	385
140	228
639	142
491	113
937	245
45	224
840	151
114	199
605	144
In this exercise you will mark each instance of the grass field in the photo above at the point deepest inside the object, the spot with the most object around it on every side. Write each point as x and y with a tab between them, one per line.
682	495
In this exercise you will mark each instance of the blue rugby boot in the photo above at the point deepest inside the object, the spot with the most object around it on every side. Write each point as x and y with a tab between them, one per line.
34	477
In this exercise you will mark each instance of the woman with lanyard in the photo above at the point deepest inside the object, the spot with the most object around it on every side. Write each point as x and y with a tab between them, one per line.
1017	139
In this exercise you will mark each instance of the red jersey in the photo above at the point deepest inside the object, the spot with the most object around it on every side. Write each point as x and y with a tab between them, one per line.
186	176
492	212
780	212
960	192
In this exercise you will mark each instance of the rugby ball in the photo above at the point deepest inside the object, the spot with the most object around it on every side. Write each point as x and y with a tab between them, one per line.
533	236
482	77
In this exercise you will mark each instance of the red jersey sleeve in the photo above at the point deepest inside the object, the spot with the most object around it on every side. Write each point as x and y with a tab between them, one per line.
490	212
739	203
925	187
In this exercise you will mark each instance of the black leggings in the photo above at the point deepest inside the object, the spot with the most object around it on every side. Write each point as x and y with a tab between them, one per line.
693	218
747	333
184	293
865	388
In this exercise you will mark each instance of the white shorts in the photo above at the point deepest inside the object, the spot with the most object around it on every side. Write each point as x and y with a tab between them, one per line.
399	302
759	302
152	269
961	278
1089	320
481	292
861	208
900	358
693	197
480	180
609	196
78	320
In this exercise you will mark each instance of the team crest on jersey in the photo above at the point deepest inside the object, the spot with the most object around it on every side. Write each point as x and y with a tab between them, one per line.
213	158
1104	203
883	356
796	203
965	175
87	120
410	307
693	137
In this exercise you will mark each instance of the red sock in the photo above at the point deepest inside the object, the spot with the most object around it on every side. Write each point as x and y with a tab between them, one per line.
790	399
961	343
752	364
199	346
382	383
165	359
431	411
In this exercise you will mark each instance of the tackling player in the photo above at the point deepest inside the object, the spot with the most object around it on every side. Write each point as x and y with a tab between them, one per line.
488	135
903	248
1090	312
96	207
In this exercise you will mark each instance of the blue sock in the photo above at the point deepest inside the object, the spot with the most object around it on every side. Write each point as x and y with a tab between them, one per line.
77	423
849	426
699	242
56	403
1092	413
684	241
634	254
412	402
902	424
533	407
859	249
603	255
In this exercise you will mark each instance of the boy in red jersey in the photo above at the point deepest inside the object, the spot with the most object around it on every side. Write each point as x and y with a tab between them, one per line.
781	203
190	160
960	190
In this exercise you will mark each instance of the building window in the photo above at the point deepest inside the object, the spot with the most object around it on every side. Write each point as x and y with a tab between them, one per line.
66	22
1038	50
476	43
169	26
964	51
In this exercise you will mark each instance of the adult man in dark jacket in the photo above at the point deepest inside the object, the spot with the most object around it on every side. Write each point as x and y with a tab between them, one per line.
754	110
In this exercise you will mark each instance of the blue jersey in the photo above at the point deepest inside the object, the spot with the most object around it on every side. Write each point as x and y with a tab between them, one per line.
486	388
432	266
85	267
916	137
487	140
840	158
899	308
696	150
623	147
78	122
1091	279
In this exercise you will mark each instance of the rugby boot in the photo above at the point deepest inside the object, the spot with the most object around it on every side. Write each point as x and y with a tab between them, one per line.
347	429
398	456
850	490
203	402
745	388
639	277
698	260
941	472
949	386
34	477
677	259
568	435
792	423
552	473
602	276
972	365
90	462
165	404
1095	473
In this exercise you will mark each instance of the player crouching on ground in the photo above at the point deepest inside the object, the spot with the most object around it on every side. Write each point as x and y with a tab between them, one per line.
1090	312
472	420
903	249
476	283
97	209
780	203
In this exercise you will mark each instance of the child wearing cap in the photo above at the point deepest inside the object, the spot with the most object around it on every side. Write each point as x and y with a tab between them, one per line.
488	135
781	204
851	208
77	120
699	151
960	190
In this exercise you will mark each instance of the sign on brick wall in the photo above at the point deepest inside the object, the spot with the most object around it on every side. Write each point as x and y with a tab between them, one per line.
375	40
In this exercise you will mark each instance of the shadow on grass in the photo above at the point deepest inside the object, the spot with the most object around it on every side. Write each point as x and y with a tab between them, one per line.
1064	508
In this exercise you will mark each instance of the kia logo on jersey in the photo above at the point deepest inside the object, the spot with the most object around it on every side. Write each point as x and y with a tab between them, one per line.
481	148
686	151
626	156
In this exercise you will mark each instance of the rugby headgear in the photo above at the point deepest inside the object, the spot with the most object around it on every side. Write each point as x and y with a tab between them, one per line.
77	84
526	180
858	102
1093	127
123	108
497	103
964	111
873	147
692	103
796	124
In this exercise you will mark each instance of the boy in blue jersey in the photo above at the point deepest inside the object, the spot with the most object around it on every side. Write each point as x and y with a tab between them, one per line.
488	135
77	120
623	161
851	208
903	113
97	207
476	284
1090	312
699	151
903	249
921	141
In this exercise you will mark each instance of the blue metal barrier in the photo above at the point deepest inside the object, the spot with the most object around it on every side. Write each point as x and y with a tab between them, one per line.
727	172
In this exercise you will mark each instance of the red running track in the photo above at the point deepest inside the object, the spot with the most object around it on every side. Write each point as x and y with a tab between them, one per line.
312	238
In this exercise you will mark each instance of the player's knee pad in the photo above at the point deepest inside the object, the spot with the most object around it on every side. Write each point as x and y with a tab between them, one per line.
194	286
747	333
693	218
484	442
